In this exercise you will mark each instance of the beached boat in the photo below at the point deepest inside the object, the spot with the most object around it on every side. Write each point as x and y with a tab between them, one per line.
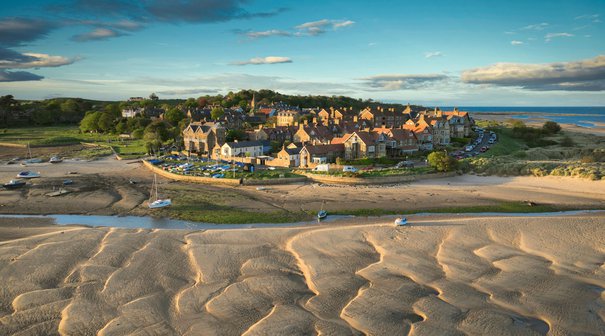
55	159
59	192
28	174
30	159
14	184
68	182
155	201
322	214
401	221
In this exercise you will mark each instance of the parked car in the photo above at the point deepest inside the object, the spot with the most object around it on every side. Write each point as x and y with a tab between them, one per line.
349	169
406	164
322	167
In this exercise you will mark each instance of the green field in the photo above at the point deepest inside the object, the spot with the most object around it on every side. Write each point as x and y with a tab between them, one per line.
68	135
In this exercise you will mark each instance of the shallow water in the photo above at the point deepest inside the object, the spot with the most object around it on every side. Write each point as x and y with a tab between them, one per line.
136	222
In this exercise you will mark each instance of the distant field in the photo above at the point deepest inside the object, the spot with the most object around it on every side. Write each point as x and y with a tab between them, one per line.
65	135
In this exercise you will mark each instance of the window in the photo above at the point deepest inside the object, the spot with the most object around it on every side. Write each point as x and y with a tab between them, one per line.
371	149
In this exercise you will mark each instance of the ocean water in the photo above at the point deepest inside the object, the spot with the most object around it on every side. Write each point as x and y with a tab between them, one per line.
584	116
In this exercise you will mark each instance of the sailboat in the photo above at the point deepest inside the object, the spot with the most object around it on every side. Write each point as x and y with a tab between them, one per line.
29	156
154	200
322	213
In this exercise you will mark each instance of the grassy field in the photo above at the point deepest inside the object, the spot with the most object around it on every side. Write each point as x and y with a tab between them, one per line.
66	135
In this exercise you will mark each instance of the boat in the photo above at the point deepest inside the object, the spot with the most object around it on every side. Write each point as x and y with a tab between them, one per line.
28	174
29	157
68	182
322	214
155	201
14	184
401	221
59	192
55	159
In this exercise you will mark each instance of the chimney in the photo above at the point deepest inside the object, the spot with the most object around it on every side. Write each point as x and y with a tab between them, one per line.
314	120
306	122
274	125
354	119
296	124
260	127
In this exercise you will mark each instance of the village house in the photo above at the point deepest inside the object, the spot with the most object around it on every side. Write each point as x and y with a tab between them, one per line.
400	142
132	112
314	134
312	155
287	118
202	137
460	123
363	144
241	149
384	117
423	133
289	156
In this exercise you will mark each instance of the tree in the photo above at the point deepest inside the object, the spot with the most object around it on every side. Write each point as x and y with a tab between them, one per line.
105	122
90	122
153	97
441	161
138	133
234	134
243	104
8	106
202	102
157	130
70	111
114	110
217	113
551	127
174	116
191	103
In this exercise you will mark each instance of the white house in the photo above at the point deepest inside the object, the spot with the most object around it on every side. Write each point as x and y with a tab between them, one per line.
242	149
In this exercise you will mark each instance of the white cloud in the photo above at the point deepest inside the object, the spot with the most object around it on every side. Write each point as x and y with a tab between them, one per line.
267	33
394	82
264	60
32	60
583	75
515	42
342	24
548	37
315	28
97	34
431	54
537	26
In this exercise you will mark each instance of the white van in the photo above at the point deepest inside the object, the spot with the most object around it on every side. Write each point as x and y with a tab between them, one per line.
349	169
322	167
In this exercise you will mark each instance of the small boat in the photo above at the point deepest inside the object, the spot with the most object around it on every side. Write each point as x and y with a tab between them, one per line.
322	214
14	184
155	201
28	174
68	182
59	192
401	221
55	159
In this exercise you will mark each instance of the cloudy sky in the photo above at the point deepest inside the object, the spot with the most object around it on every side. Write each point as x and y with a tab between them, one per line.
472	53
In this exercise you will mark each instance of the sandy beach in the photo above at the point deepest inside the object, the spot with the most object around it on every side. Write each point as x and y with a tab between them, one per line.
441	275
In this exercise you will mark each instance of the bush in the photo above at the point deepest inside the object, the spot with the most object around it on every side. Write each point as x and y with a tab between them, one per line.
551	127
441	161
567	142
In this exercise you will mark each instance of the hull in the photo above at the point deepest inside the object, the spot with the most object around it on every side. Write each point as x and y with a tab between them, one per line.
160	204
401	221
28	175
322	215
14	185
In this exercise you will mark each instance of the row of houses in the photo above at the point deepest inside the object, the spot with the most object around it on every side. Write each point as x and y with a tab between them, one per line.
314	142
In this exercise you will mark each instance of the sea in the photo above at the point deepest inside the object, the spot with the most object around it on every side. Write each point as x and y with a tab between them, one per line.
583	116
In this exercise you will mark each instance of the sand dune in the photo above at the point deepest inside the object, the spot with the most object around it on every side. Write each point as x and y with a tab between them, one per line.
460	275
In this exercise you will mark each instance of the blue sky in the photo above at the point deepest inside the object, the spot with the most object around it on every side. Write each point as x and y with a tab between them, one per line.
427	52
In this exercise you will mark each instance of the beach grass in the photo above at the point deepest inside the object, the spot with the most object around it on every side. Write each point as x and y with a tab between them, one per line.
502	207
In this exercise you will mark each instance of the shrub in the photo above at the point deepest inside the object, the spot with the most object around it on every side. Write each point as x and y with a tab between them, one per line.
441	161
551	127
567	142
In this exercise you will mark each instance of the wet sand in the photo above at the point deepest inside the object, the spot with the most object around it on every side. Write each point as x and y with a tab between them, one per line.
440	275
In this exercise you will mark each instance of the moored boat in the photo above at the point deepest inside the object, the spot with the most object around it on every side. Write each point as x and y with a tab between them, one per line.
401	221
28	174
14	184
55	159
154	200
322	214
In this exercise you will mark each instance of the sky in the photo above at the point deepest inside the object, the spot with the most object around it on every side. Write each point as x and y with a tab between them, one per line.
466	53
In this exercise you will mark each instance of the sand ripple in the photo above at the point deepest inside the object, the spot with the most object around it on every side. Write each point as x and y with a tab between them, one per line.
485	276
